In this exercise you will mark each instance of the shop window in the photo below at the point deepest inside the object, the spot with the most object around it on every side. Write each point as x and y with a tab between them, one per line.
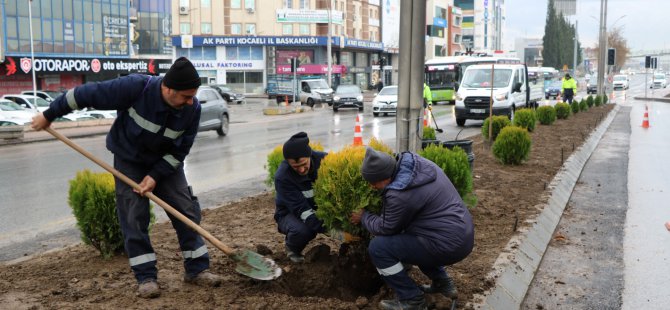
231	53
256	53
243	53
361	59
185	28
457	20
251	29
206	28
209	52
346	59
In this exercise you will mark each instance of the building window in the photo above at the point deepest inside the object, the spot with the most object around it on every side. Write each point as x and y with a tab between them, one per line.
288	4
440	12
205	3
185	28
304	4
439	50
251	28
457	39
206	28
235	4
250	4
287	29
235	28
304	29
361	59
457	20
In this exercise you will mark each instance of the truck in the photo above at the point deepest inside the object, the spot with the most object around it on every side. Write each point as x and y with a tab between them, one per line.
309	90
512	89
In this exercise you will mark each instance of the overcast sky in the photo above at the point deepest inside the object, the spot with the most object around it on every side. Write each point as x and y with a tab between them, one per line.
646	23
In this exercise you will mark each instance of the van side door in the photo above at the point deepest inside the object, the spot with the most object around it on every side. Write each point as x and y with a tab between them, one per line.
305	91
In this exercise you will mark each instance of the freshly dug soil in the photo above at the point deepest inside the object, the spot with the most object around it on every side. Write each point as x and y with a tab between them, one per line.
77	278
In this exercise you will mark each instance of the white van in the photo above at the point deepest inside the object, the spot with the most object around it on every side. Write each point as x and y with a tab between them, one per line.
315	91
512	89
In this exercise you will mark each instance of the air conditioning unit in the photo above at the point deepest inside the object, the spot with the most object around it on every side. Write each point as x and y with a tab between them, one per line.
183	10
250	10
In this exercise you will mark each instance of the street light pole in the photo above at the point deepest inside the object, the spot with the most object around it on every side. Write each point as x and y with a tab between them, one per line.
329	48
603	46
574	59
32	51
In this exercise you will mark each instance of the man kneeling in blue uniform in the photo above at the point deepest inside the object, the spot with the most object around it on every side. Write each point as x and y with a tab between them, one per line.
295	206
424	222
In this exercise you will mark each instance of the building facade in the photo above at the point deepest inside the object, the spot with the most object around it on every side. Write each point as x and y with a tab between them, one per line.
78	41
483	24
246	44
443	29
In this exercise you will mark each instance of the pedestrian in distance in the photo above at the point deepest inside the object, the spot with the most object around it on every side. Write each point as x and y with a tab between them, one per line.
423	222
295	206
155	128
427	96
569	86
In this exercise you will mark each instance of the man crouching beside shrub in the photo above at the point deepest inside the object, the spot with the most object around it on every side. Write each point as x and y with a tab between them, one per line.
424	222
294	200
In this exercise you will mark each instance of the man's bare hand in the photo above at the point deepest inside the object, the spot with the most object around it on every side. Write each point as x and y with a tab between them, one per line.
356	216
147	185
39	122
667	225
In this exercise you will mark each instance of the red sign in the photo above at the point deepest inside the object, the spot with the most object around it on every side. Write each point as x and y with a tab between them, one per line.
311	69
95	65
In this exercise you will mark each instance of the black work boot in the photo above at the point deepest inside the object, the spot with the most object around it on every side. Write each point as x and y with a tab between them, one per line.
444	286
416	303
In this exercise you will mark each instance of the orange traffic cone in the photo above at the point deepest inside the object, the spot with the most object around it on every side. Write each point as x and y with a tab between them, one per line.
286	101
358	136
645	120
425	118
612	97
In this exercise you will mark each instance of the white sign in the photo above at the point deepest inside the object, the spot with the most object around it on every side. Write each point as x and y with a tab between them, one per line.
229	64
391	25
308	16
186	41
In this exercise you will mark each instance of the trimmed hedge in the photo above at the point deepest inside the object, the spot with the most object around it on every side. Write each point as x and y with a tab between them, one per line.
454	163
499	122
512	146
546	115
562	110
525	118
583	106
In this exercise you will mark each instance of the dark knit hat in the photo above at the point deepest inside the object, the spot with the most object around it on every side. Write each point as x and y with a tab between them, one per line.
377	165
297	146
182	75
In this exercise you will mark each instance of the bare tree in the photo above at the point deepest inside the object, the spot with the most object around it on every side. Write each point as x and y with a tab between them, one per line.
616	40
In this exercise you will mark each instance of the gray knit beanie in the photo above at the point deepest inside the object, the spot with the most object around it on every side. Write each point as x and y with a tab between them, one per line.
377	165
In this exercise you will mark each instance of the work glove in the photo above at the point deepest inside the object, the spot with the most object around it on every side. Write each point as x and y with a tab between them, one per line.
342	236
430	107
315	224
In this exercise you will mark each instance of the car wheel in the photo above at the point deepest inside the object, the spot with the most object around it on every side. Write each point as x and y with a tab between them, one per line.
360	108
335	109
226	98
310	102
375	114
546	97
460	122
223	129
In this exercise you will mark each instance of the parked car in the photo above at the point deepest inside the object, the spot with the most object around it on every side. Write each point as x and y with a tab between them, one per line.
228	94
97	113
48	95
658	81
591	87
28	101
348	96
10	122
214	111
14	113
553	89
620	81
386	101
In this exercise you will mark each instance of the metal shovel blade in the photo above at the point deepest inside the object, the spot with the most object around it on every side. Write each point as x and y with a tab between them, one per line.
254	265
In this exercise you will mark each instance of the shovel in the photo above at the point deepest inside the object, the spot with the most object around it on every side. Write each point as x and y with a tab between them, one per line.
434	121
249	263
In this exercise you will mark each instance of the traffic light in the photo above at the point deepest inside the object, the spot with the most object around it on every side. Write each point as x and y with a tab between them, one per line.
654	63
611	56
647	62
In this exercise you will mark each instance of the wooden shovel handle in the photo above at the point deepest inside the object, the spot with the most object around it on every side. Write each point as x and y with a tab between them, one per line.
150	195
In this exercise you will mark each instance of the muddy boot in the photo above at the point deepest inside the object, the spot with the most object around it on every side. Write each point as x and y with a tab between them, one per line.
149	289
444	286
204	278
416	303
294	257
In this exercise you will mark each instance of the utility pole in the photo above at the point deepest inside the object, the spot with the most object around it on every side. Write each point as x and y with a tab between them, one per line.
410	75
329	48
603	47
574	59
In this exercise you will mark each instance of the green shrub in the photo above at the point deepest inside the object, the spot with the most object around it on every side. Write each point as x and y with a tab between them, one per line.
589	100
604	100
380	146
428	133
93	201
574	106
340	188
499	122
598	101
454	163
512	145
583	106
276	156
546	115
562	110
525	118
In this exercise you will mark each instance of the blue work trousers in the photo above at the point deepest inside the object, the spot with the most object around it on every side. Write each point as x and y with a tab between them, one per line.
133	213
393	254
298	234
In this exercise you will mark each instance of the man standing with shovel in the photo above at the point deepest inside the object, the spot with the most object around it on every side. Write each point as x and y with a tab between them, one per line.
156	125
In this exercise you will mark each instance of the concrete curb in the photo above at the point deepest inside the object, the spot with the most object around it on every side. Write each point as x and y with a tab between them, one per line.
652	99
514	269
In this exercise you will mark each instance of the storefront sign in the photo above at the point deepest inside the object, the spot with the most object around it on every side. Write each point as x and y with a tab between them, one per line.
256	41
440	22
308	16
304	57
229	64
311	69
363	44
115	35
84	65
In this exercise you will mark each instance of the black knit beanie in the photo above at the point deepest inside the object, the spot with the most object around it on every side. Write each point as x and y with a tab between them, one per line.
377	166
297	146
182	75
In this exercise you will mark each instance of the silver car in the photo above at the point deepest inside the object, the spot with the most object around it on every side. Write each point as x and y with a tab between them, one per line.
214	111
